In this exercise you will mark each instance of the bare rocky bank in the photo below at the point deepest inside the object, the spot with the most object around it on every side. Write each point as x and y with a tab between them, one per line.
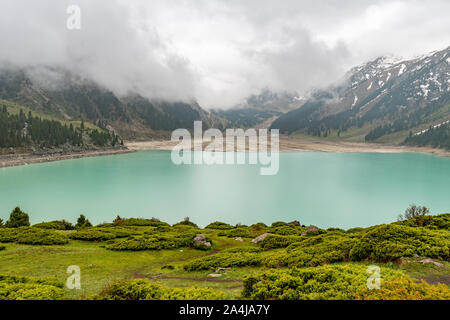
19	159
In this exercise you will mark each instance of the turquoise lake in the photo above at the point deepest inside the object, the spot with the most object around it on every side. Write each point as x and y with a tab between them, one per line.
325	189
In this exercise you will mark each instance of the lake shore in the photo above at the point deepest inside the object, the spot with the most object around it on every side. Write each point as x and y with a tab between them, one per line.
20	159
289	144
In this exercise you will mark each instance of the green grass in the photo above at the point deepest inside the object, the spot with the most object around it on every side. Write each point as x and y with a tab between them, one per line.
101	267
108	266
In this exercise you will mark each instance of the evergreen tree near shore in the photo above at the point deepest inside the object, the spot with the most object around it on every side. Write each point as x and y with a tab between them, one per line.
22	130
17	219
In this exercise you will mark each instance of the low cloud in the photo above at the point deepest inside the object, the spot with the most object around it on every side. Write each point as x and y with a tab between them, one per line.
216	51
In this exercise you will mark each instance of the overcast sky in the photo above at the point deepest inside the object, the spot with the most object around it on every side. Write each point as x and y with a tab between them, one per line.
218	51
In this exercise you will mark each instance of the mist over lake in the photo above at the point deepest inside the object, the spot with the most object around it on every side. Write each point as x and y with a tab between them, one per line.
325	189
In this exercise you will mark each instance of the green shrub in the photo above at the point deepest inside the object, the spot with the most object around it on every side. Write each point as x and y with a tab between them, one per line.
405	289
287	230
324	282
279	224
260	226
145	290
56	225
219	226
2	248
314	251
33	236
82	222
17	219
389	242
224	259
21	288
241	249
186	222
355	230
140	222
168	240
243	232
102	233
441	221
274	241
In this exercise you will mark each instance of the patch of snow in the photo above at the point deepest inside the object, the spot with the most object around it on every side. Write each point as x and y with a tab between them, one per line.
370	85
434	127
380	83
355	101
388	76
402	69
425	89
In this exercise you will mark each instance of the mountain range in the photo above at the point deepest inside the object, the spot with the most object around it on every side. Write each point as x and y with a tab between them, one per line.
385	100
71	98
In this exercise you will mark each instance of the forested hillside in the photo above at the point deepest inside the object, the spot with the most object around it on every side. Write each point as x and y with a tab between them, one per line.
73	98
21	130
438	137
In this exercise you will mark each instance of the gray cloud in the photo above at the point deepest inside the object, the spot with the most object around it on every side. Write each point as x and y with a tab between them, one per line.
217	51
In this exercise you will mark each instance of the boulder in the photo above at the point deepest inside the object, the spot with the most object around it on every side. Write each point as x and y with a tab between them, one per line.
214	275
201	242
402	261
239	239
311	229
429	260
260	238
294	223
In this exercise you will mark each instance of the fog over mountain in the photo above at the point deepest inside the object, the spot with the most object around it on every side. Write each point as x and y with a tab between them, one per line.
215	51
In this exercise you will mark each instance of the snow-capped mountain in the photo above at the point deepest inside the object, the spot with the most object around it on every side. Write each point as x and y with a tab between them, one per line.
398	95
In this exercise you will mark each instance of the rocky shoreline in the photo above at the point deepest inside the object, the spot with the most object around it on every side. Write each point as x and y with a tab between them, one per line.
11	160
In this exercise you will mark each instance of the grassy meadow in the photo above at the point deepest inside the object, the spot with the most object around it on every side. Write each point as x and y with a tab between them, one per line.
149	259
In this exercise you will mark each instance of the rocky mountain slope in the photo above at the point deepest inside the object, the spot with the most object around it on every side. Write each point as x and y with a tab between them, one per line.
72	98
259	110
384	100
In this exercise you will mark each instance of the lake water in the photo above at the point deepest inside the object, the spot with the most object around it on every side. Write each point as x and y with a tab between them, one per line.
325	189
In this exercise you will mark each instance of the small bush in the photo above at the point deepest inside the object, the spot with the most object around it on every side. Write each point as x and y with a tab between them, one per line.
55	225
287	230
414	211
21	288
441	221
168	240
390	242
279	224
33	236
102	234
82	222
405	289
314	251
186	222
243	232
145	290
219	226
139	222
274	241
224	260
317	283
